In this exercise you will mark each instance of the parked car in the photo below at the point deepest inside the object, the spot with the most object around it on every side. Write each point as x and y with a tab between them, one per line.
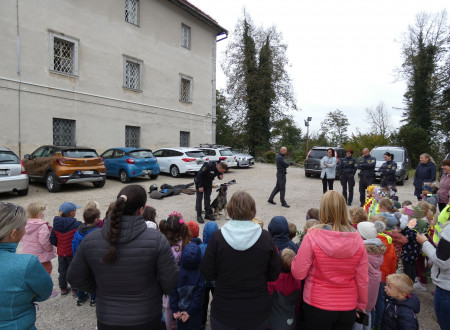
219	153
59	165
315	155
13	176
243	159
127	163
400	157
177	161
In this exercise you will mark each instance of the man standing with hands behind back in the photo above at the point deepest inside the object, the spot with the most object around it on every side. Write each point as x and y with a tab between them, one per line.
203	186
366	165
280	187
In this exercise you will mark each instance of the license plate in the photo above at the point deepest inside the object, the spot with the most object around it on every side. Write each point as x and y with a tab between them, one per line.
146	172
4	172
88	172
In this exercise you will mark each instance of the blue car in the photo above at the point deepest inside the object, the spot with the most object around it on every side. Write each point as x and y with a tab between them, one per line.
127	163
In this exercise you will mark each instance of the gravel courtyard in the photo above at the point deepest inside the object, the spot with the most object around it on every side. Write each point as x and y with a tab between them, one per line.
302	193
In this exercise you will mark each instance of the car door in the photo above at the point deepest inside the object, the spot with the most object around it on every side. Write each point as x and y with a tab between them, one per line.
118	162
108	158
31	164
159	154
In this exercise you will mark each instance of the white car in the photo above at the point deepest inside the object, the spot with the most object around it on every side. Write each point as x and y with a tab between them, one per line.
177	161
13	176
220	154
243	159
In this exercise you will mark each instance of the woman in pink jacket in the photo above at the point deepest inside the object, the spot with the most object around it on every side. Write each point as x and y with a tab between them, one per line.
333	261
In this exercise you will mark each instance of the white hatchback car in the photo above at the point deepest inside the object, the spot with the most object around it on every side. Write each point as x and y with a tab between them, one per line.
13	176
220	154
177	161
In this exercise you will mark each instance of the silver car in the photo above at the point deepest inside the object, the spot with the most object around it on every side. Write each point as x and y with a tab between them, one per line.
13	176
243	160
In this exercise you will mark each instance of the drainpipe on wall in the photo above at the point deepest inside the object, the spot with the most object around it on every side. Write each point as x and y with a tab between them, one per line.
19	77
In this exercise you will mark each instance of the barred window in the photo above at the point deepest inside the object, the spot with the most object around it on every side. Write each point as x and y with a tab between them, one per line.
64	54
185	138
185	36
132	11
63	132
186	89
132	136
132	73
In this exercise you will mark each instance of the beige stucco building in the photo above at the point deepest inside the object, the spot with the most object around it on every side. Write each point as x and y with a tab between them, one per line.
106	73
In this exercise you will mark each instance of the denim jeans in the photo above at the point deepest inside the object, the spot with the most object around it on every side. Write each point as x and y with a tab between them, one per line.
83	295
442	307
379	306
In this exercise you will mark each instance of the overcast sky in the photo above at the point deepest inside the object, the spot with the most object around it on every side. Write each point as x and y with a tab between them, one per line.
343	52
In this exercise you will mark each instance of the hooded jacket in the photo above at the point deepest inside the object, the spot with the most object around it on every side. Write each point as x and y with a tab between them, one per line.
279	230
188	294
444	187
36	240
129	290
24	282
335	267
375	251
424	173
62	234
208	230
241	259
401	315
389	265
398	240
80	234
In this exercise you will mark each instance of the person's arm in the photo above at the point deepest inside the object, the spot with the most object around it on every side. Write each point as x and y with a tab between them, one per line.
38	280
440	255
174	299
274	267
53	238
355	166
391	171
433	173
322	162
371	166
406	319
208	265
197	297
44	239
333	162
362	279
362	165
166	267
304	259
200	175
80	274
75	244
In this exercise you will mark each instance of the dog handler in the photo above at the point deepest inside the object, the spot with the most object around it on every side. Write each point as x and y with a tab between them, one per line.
203	186
280	187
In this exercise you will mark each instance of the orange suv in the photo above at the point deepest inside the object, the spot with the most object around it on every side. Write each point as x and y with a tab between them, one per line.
57	165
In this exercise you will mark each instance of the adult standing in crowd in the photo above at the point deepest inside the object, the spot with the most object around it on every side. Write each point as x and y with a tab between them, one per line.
425	172
444	185
23	279
328	173
280	186
347	170
333	261
203	187
388	169
241	258
128	265
366	165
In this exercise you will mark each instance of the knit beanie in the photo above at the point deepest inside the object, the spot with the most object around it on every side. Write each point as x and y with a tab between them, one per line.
193	228
367	230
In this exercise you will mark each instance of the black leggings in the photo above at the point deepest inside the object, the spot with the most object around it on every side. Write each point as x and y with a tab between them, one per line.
316	318
324	183
155	324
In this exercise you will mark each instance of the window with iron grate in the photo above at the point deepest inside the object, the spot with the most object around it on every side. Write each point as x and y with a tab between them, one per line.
132	73
132	136
186	89
64	54
63	132
132	11
185	36
185	138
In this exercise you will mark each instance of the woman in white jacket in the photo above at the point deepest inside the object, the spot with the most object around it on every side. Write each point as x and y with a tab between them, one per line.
328	165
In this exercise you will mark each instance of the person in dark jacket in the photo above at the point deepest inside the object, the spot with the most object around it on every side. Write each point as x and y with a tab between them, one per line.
388	169
128	265
64	228
186	299
347	170
425	172
366	165
279	230
402	305
203	187
280	186
241	258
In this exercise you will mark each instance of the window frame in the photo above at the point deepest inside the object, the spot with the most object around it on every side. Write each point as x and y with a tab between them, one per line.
191	83
65	38
74	136
138	15
188	134
139	137
137	61
189	39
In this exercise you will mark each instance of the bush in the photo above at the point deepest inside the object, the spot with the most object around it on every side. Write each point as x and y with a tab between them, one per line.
270	156
299	156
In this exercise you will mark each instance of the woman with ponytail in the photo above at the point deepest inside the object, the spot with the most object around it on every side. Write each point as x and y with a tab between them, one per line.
128	265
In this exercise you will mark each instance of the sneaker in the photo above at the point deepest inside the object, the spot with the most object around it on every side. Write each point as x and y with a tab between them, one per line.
420	287
200	219
92	303
82	301
54	294
74	293
65	292
271	202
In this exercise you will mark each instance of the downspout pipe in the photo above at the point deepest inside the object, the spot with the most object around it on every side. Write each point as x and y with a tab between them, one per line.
19	78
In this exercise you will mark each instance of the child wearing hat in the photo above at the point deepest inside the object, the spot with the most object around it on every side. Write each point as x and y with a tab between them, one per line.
64	228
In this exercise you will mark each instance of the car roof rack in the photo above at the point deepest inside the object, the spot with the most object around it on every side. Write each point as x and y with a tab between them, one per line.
212	145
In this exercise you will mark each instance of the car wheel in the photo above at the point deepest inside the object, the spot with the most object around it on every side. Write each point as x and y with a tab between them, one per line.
307	174
124	178
153	176
23	192
174	171
52	183
407	176
401	182
99	184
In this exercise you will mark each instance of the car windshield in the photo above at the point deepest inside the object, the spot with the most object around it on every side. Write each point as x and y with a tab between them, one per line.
226	153
195	154
144	153
8	157
317	153
378	154
79	153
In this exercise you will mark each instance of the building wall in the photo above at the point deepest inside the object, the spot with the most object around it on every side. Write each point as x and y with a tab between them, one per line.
96	98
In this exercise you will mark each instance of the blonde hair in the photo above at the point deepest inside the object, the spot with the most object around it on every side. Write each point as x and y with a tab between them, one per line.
388	205
426	207
378	217
292	230
333	212
357	215
258	221
34	209
401	282
310	223
287	255
92	205
241	206
428	157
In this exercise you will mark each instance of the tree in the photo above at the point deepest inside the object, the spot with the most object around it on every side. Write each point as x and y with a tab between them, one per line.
224	130
359	141
379	119
334	127
415	139
286	133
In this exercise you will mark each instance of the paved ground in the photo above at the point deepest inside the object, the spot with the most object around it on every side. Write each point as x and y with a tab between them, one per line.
302	194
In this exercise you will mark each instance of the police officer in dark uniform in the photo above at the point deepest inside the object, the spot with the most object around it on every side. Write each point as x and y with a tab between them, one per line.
280	187
203	187
366	165
388	170
347	170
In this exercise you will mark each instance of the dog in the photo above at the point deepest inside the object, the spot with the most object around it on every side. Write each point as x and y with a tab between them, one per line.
220	202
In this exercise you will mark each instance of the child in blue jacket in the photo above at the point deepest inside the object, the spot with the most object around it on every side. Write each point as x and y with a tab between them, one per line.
279	230
186	298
